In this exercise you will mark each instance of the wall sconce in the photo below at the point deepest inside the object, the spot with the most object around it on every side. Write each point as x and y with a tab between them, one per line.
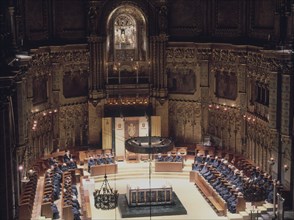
271	161
286	167
20	167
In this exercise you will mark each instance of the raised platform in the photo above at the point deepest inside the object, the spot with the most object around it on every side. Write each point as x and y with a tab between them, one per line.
126	211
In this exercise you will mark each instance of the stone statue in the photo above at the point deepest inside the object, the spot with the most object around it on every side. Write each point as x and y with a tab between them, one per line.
92	19
163	19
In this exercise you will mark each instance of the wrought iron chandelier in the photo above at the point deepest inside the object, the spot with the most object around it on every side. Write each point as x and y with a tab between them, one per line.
106	197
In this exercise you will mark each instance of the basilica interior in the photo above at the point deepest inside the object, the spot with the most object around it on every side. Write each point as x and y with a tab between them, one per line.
216	77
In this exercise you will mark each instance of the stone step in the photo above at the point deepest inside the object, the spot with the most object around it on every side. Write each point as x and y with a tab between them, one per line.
262	209
132	176
269	206
266	216
234	216
245	215
253	214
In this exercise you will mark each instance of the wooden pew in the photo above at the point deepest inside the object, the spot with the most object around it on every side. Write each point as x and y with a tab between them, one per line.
168	166
214	198
27	198
67	213
103	169
86	206
46	205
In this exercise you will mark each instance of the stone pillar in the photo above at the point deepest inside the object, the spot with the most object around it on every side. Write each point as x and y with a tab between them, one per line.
11	11
56	80
273	99
96	79
95	123
157	52
10	185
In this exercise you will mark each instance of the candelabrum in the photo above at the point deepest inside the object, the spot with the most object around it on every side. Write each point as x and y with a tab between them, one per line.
106	197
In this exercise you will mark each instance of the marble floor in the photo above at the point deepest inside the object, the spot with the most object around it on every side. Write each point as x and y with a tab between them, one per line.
195	204
143	173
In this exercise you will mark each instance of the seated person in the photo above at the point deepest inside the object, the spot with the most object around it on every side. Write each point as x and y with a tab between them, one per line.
91	162
197	167
52	161
55	211
72	164
66	156
159	158
178	158
198	158
204	169
208	160
64	167
108	159
75	202
169	158
74	190
99	160
57	170
215	162
216	182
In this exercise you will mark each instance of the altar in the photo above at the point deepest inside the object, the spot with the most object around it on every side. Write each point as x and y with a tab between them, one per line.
153	194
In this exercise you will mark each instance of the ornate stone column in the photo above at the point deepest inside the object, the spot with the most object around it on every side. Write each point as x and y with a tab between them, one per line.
9	174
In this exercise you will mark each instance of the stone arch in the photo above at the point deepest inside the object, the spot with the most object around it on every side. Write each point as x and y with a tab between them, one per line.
129	22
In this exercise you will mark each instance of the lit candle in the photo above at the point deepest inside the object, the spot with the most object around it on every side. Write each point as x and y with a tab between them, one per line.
137	67
107	73
149	66
119	73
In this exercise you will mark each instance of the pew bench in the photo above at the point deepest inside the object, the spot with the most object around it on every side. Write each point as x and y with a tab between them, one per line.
210	194
168	166
103	169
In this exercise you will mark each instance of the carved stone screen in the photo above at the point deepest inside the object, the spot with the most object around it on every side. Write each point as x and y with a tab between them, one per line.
181	80
39	90
75	84
226	85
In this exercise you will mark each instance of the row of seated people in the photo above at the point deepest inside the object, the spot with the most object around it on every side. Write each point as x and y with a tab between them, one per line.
258	181
255	188
170	158
85	155
70	195
99	160
227	190
27	197
52	184
68	161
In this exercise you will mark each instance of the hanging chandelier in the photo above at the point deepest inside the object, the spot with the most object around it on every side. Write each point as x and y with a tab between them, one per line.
106	197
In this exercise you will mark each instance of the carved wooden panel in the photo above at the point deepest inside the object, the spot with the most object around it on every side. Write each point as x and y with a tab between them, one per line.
227	14
36	19
70	19
39	90
226	85
226	18
262	19
181	80
75	84
262	14
186	17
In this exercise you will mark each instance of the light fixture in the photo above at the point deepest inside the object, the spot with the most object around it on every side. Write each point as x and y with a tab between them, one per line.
271	161
106	197
20	167
286	167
